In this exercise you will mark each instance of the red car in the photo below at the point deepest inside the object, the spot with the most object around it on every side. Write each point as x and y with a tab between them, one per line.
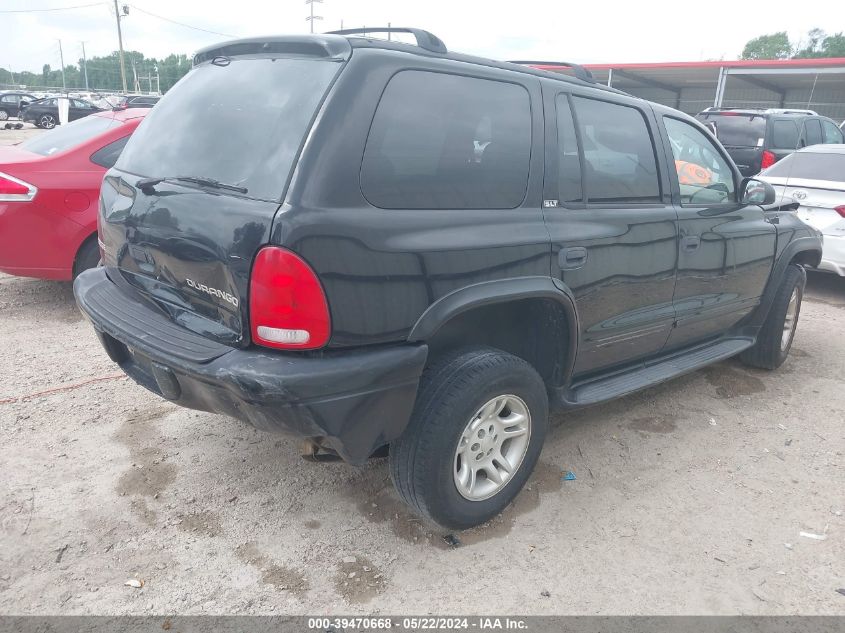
49	188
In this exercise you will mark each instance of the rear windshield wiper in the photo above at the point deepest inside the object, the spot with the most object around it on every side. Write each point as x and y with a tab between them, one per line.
146	184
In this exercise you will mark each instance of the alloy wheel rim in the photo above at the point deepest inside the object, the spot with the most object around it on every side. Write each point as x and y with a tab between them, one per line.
47	121
3	115
790	321
492	447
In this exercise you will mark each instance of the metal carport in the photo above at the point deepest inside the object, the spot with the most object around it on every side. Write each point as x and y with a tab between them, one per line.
817	84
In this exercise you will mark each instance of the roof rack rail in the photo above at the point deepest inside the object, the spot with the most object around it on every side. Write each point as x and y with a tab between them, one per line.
426	40
729	108
761	110
791	111
580	72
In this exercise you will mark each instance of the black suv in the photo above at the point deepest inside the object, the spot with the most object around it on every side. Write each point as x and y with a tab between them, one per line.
757	139
411	250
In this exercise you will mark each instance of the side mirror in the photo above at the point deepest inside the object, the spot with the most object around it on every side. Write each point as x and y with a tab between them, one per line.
757	192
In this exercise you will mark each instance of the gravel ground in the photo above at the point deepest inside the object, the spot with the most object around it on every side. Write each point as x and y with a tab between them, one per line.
690	498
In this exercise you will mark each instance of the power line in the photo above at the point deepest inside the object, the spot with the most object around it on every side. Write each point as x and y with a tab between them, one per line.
188	26
78	6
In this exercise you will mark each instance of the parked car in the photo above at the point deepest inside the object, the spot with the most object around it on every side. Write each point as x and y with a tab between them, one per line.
814	177
757	139
414	250
136	101
49	187
11	102
45	112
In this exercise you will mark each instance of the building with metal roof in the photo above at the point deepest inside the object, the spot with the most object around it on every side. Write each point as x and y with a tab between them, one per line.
817	84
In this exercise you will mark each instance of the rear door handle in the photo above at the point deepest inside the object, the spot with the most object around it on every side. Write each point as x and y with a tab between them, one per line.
690	243
572	257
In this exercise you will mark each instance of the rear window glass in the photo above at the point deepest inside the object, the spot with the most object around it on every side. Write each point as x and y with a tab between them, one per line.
810	166
618	153
241	123
69	135
738	130
443	141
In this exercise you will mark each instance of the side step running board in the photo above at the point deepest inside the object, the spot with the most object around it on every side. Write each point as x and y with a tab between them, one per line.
654	372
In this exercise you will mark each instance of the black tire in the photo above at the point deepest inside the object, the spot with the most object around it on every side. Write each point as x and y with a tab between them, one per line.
771	349
46	121
452	390
4	116
88	256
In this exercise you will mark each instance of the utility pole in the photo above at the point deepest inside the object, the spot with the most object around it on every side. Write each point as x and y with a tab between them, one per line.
120	42
84	66
62	59
136	87
311	17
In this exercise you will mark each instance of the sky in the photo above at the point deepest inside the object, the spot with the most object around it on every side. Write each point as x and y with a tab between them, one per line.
582	32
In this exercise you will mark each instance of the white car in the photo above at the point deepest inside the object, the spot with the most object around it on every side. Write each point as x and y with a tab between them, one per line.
814	177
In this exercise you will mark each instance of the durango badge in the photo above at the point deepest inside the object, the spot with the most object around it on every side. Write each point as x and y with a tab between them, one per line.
214	292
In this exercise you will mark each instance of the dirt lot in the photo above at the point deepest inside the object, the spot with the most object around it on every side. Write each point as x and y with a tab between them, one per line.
689	497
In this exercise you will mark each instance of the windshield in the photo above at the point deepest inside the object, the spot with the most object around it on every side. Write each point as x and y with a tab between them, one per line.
738	130
241	122
809	166
69	135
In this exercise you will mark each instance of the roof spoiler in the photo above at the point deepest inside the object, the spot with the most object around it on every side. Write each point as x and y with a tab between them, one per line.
425	40
580	72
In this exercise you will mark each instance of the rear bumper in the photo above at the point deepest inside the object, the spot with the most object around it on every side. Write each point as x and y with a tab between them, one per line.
357	400
833	254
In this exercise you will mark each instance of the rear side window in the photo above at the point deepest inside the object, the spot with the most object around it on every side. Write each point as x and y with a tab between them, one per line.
107	156
832	134
809	166
68	136
441	141
784	134
813	132
618	152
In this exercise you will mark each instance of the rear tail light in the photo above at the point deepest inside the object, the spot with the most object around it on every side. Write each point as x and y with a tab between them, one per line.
840	210
14	190
287	305
768	159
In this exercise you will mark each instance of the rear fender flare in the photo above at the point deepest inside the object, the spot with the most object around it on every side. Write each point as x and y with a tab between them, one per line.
496	292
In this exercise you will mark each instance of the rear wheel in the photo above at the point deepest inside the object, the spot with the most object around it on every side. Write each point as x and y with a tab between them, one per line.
88	256
47	121
475	435
775	338
4	116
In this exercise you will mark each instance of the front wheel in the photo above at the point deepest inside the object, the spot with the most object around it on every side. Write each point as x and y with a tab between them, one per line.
775	338
47	121
4	116
475	436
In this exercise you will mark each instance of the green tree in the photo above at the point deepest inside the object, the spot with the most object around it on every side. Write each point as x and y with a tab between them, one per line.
834	45
773	46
